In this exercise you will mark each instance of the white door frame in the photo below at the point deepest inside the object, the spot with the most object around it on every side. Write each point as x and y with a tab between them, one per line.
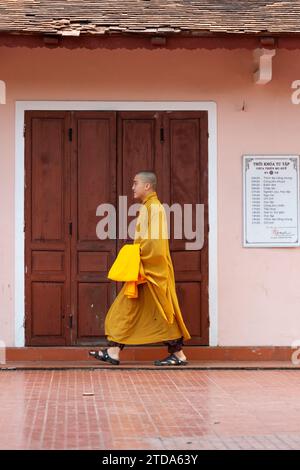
22	106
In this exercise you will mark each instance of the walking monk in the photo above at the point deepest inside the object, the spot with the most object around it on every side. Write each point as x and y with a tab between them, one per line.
153	315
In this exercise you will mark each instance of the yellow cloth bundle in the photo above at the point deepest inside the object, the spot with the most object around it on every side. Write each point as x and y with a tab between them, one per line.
126	268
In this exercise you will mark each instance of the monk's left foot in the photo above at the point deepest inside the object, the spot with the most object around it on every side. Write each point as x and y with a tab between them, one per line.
103	355
171	360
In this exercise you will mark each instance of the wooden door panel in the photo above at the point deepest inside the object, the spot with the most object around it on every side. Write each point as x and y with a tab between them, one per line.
96	182
47	306
47	180
185	151
47	254
187	264
93	303
189	297
138	149
93	183
47	261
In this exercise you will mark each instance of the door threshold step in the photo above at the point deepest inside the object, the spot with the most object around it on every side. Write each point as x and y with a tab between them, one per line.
147	353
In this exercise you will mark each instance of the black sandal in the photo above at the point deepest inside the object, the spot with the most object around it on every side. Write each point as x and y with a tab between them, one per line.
171	360
104	357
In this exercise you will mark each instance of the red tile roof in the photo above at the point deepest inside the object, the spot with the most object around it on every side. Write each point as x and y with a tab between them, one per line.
163	17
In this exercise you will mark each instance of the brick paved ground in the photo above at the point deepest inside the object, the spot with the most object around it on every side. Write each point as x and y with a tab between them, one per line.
150	409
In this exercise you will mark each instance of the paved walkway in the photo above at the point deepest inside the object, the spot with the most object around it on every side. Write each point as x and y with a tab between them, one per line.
146	365
149	409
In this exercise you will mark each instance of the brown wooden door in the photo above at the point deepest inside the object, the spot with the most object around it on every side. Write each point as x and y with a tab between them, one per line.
185	182
93	182
174	145
47	240
76	161
70	170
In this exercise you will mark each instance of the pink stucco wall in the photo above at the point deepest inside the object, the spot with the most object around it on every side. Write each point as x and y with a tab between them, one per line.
258	288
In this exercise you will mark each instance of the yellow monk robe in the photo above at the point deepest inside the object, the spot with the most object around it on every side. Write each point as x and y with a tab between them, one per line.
154	315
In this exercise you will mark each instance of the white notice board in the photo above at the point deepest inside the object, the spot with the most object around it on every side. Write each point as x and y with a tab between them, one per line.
271	200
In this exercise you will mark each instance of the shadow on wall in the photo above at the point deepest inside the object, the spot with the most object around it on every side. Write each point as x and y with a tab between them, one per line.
2	92
2	352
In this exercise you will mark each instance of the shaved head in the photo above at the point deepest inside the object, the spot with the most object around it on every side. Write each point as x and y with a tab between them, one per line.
148	177
144	183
